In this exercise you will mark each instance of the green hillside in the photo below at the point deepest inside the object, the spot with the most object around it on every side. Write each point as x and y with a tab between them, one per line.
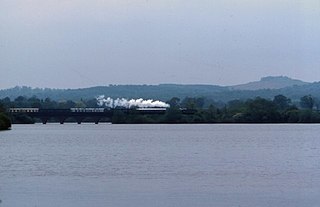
165	92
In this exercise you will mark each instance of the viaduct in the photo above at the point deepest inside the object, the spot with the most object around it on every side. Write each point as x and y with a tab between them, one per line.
63	114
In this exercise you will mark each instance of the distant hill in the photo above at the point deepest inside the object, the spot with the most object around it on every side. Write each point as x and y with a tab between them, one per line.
162	92
267	87
270	82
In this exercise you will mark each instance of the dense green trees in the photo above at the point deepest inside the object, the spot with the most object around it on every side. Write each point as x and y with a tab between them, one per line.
280	109
5	122
261	110
307	102
281	102
258	110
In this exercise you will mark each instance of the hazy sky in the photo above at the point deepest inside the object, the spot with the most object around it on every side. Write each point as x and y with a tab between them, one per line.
80	43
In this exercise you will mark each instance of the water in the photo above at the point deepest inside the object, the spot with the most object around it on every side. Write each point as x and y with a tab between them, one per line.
160	165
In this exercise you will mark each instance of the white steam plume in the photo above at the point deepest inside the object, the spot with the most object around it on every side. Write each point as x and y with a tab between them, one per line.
122	102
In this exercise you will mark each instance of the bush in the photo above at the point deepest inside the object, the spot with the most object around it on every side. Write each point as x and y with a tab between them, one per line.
5	122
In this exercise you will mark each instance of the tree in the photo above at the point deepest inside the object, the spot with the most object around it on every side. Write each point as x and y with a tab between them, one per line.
261	110
49	104
291	115
66	104
189	103
211	114
80	104
92	103
5	122
307	102
173	115
2	108
281	102
317	103
21	101
200	102
6	102
174	102
34	102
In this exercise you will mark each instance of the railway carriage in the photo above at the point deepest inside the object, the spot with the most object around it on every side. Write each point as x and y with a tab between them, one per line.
24	110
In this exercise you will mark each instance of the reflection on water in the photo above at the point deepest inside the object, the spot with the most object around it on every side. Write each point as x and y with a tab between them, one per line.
160	165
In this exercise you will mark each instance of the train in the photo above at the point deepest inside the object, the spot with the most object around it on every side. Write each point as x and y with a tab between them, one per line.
24	110
78	110
87	110
74	110
144	110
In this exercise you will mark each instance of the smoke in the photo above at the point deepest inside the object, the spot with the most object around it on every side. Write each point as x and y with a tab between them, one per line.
122	102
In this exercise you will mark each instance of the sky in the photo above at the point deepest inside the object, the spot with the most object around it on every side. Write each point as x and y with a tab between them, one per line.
81	43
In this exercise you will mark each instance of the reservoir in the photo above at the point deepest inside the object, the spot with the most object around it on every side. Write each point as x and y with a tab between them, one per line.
160	165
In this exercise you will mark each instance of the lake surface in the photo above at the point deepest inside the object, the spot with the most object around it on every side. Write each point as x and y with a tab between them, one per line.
160	165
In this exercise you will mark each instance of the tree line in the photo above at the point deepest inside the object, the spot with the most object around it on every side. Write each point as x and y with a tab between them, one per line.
5	122
280	109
